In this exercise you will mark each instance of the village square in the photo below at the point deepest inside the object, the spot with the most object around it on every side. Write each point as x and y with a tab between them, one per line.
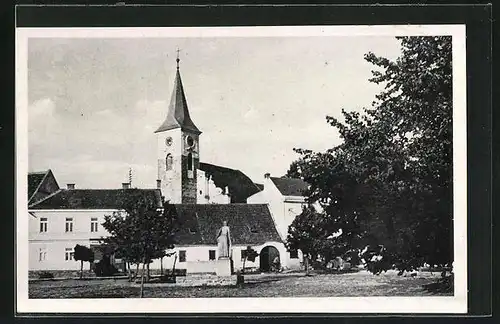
368	217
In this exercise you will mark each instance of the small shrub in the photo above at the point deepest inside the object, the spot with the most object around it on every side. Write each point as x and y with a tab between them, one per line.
45	275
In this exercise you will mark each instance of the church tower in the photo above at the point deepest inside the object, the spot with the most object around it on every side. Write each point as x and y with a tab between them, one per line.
178	149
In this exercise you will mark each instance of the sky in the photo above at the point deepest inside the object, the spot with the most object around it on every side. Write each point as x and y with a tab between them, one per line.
95	103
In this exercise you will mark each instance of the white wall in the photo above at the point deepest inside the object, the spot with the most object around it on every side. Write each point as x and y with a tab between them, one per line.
197	258
292	207
283	210
55	255
171	181
56	239
208	193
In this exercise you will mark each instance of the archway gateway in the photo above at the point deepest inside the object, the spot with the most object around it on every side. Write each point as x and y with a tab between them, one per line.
268	257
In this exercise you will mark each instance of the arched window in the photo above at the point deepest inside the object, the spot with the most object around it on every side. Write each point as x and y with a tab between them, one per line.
190	161
168	162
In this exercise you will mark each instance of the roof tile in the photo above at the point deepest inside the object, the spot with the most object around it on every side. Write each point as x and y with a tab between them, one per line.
92	198
290	186
250	224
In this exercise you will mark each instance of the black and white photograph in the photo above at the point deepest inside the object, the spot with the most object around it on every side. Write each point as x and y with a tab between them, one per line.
241	169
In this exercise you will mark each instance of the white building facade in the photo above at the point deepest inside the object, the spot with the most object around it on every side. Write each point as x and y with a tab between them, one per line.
54	231
285	198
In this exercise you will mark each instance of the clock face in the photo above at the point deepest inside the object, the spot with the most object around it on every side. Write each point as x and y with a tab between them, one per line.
189	141
168	141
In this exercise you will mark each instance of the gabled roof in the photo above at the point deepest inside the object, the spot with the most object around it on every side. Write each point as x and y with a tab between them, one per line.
34	181
240	186
40	185
250	224
178	113
92	198
290	186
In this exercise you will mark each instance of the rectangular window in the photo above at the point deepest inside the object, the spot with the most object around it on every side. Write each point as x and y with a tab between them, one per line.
211	254
43	225
182	256
69	254
69	224
294	254
42	255
93	224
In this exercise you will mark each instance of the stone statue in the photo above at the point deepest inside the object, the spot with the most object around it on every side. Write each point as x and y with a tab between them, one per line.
224	241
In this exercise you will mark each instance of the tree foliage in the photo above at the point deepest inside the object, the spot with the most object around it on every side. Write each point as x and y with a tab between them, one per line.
320	238
83	254
249	254
143	231
388	185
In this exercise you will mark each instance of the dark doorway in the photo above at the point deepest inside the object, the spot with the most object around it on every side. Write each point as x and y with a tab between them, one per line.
269	259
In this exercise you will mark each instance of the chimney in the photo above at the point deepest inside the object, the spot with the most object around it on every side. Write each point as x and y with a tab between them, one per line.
126	185
158	184
267	176
71	186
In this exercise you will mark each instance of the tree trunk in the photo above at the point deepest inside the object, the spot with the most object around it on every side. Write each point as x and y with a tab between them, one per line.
147	272
81	269
129	271
173	267
161	266
243	269
306	264
136	271
142	277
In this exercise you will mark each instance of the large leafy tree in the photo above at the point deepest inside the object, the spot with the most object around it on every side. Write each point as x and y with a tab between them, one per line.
143	231
388	185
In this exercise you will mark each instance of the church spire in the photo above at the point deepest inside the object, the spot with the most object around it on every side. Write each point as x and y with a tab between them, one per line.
178	113
177	59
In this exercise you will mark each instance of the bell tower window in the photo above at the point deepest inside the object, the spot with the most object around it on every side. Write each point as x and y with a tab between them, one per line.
190	162
168	162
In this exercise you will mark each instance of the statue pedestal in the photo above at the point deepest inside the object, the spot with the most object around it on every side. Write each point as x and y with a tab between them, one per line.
223	268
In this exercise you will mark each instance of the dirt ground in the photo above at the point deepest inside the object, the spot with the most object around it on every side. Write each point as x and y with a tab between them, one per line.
258	285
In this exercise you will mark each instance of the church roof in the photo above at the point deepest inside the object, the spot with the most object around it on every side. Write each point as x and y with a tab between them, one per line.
250	224
178	113
240	186
290	186
92	198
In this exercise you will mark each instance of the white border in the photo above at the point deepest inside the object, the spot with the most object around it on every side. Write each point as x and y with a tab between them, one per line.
445	304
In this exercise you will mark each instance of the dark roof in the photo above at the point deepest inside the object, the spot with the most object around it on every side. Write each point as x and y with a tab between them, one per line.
290	186
259	186
250	224
178	113
34	181
240	186
40	185
92	198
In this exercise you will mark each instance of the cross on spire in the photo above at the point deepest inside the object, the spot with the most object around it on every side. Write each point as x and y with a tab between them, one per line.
177	59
